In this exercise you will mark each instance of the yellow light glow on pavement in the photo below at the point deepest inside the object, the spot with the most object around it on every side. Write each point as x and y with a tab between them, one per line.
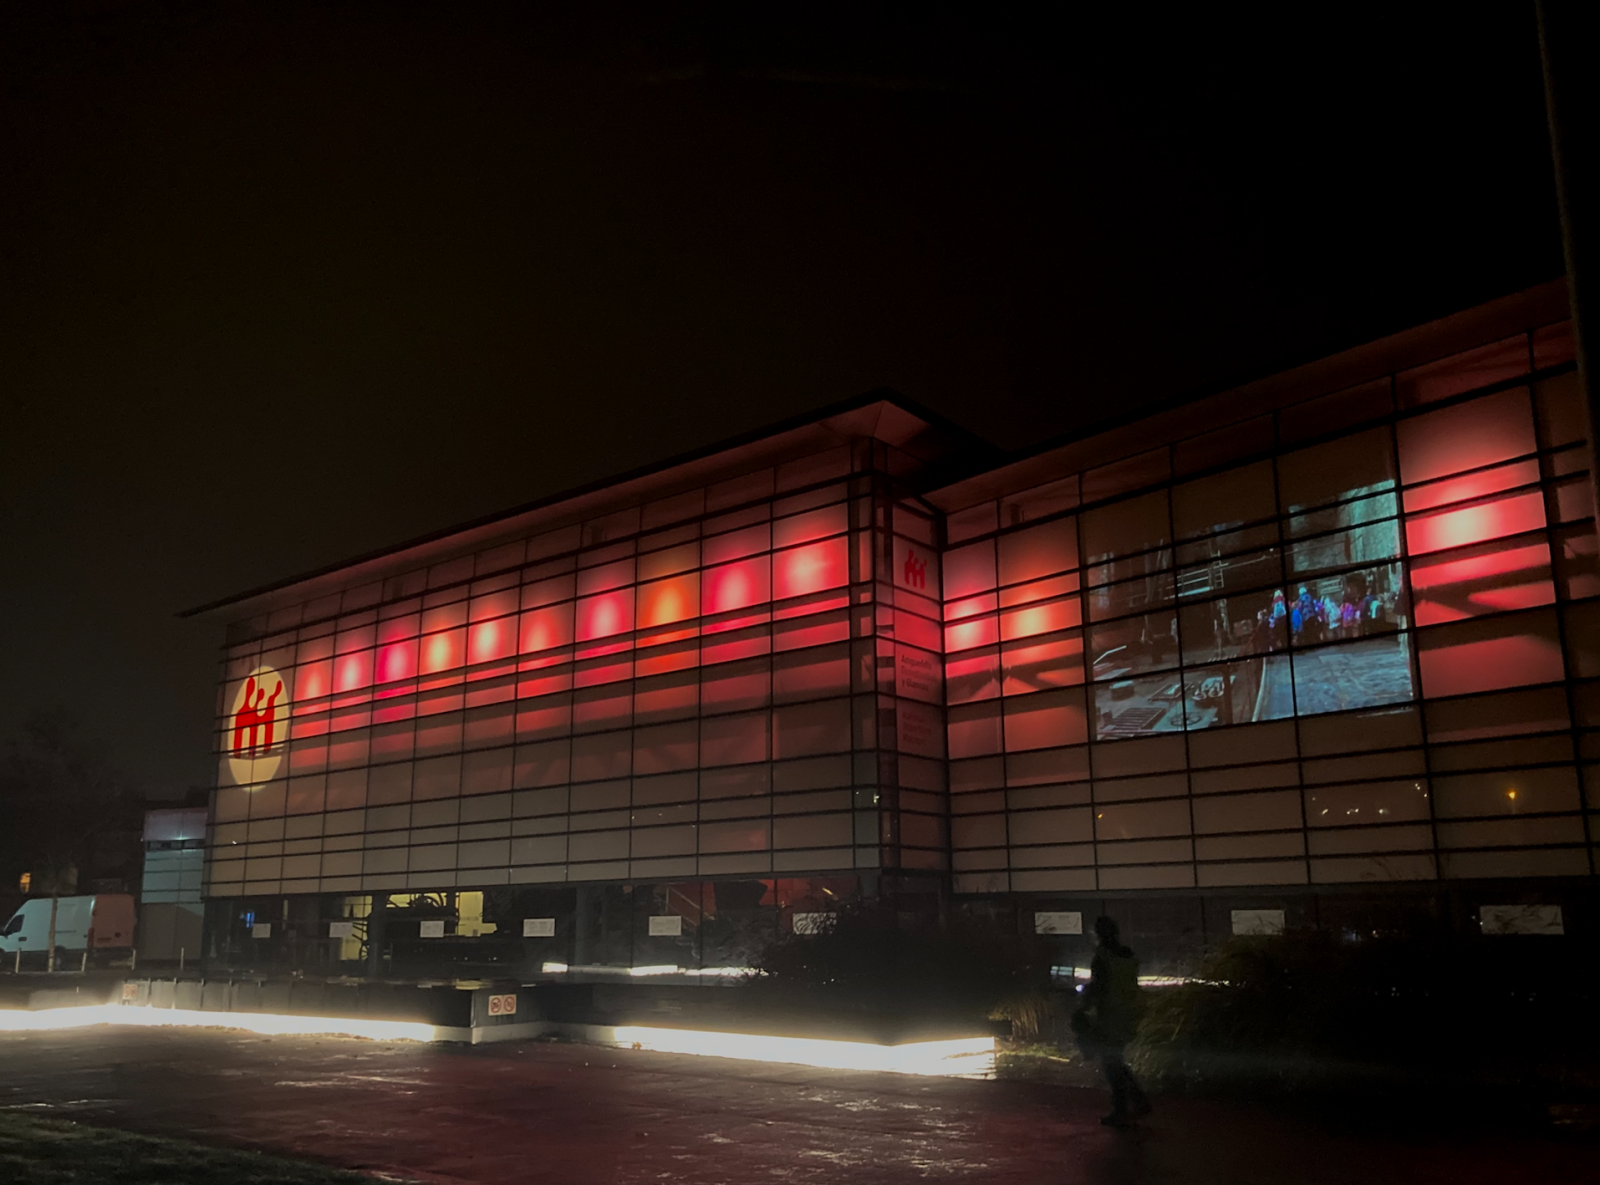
966	1057
266	1023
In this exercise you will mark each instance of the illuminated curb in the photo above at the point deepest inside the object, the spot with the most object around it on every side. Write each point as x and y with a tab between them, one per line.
268	1024
965	1057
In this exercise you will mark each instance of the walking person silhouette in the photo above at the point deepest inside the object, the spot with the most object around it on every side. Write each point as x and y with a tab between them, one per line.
1108	1019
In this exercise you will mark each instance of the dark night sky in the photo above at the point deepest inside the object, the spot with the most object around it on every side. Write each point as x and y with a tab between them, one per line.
280	284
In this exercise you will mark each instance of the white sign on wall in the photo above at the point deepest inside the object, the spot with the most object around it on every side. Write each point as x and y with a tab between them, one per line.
1521	919
341	929
538	927
261	930
1258	921
1058	923
668	925
505	1005
433	929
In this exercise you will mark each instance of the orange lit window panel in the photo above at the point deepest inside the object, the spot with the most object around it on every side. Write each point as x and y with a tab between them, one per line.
811	569
313	680
489	640
357	639
444	617
815	524
969	607
1041	619
353	671
398	628
606	615
443	651
964	635
1475	524
736	586
1039	590
545	629
666	601
1473	485
397	660
494	604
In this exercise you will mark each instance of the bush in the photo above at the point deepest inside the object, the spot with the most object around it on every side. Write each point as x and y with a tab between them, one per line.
1311	1009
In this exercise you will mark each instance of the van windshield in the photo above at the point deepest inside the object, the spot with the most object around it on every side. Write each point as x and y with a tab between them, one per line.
13	925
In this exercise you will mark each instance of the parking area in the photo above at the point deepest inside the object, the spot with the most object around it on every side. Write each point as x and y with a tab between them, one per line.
452	1115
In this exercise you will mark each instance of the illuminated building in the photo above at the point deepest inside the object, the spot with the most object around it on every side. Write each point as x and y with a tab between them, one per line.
1320	644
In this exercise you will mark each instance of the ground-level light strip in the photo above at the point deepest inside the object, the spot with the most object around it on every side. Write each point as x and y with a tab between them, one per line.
965	1057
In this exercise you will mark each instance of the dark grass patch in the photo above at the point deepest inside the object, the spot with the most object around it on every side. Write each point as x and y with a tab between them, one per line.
35	1151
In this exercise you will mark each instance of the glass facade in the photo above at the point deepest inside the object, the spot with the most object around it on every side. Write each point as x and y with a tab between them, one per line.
699	686
1306	633
1344	658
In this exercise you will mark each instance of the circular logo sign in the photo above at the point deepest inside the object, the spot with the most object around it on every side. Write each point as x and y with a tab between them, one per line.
258	727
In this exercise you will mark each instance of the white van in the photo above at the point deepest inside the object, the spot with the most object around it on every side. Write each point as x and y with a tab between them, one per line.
101	922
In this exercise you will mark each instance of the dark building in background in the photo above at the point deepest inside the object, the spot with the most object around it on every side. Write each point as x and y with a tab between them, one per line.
1317	651
171	910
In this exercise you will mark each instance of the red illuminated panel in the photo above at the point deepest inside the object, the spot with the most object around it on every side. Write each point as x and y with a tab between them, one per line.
736	586
970	607
494	604
972	677
606	615
398	628
969	570
811	569
545	629
735	544
1040	590
606	576
1482	580
737	645
313	680
397	660
1489	654
1473	485
1041	619
353	671
1469	435
966	634
444	617
489	640
610	669
1475	524
357	639
668	601
675	657
815	524
443	651
1057	663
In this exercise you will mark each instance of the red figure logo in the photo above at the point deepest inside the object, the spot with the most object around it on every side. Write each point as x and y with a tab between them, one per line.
916	571
253	723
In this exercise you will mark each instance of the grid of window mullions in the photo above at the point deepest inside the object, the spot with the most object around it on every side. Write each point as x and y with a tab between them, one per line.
1547	532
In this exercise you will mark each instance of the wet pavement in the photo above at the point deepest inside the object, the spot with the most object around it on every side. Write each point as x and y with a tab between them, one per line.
536	1112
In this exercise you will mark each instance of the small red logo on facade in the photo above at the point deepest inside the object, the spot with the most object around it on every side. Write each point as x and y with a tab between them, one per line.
916	571
254	723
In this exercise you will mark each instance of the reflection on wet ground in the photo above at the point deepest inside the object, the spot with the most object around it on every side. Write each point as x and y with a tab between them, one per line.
567	1113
